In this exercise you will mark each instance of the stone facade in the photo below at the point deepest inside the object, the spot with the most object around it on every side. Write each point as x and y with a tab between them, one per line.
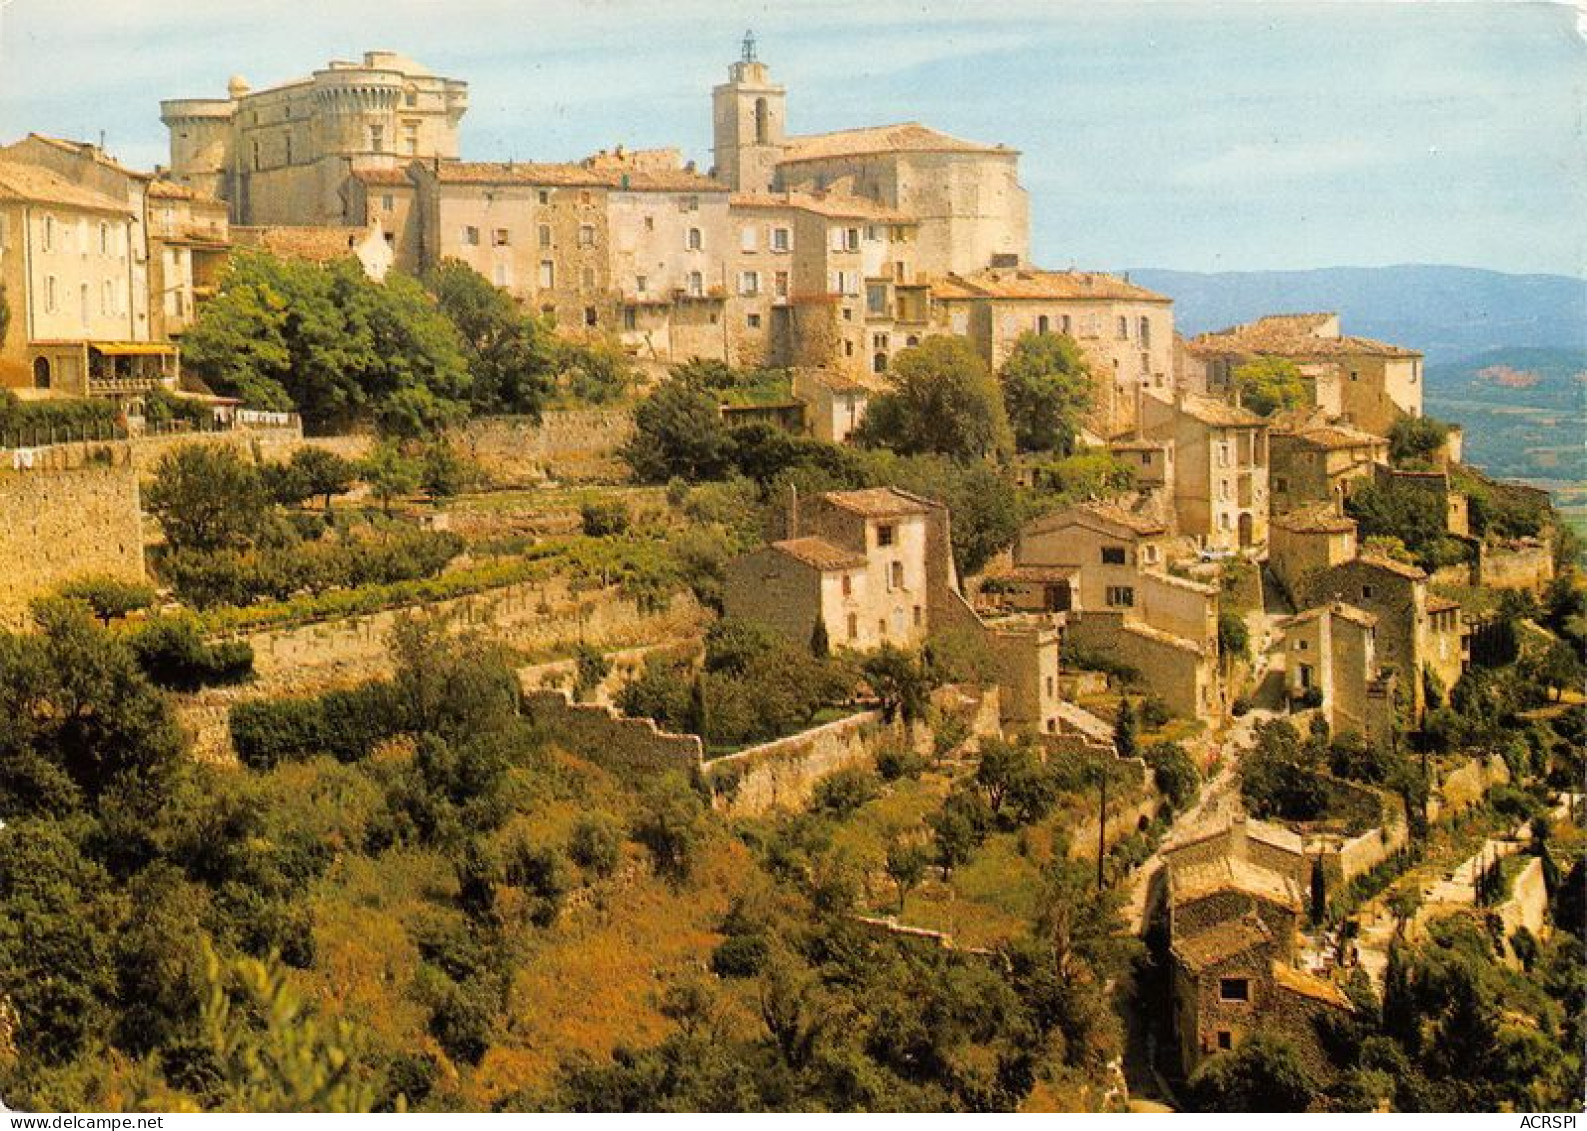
1331	651
287	154
1315	462
1371	384
1302	544
1221	473
62	525
1125	331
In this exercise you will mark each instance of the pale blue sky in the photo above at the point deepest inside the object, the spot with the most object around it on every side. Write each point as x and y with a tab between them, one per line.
1201	136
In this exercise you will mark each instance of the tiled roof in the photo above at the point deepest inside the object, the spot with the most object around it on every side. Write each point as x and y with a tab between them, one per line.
1222	941
1158	636
574	175
839	206
1041	574
1141	525
819	553
382	176
1314	520
1029	283
1198	880
162	189
93	152
1389	565
1337	609
1290	335
1217	413
878	502
910	137
1437	604
318	244
1185	583
1309	985
1277	836
34	185
1337	437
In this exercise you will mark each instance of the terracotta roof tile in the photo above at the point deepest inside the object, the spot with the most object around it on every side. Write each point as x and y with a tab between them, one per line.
1217	413
1389	565
1220	942
35	185
839	206
819	553
313	244
1291	335
878	502
1314	520
1032	284
1196	881
575	175
1309	985
910	137
382	176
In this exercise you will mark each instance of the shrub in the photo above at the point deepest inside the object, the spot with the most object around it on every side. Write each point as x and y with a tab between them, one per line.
109	597
592	667
346	725
1174	773
844	791
898	759
173	653
740	956
603	517
541	872
596	844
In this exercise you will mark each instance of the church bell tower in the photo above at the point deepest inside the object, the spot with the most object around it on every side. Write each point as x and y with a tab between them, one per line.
748	123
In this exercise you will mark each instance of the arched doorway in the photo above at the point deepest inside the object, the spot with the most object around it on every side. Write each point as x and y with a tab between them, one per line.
762	122
41	373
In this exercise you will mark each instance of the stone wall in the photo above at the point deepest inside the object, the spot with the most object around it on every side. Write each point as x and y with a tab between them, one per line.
783	774
1343	860
1525	565
1527	906
631	748
59	525
568	444
1170	666
1463	787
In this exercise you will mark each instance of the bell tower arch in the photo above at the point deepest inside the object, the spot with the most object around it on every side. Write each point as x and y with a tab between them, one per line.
748	123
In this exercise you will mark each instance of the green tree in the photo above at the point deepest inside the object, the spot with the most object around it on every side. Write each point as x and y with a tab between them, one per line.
900	681
1413	440
391	475
906	867
1047	391
1270	384
207	497
512	358
1125	739
942	399
322	474
672	824
678	433
109	596
1234	637
1264	1074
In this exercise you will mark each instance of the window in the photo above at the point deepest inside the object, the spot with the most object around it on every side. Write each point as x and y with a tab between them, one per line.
752	321
694	242
544	196
471	236
696	284
851	239
586	235
780	239
587	279
1146	332
107	297
881	627
650	223
545	235
548	274
1113	555
1280	484
388	202
1124	329
1225	1039
1063	323
780	284
49	294
879	363
1301	645
1043	324
377	139
410	138
288	149
104	238
895	576
1121	597
585	197
1150	553
1234	989
848	586
501	237
749	283
410	97
854	626
630	318
1366	592
884	534
876	298
641	284
747	240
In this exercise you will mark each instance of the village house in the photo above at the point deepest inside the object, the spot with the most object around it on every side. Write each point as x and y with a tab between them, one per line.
1125	331
1152	464
1221	468
1105	568
1315	461
1371	384
875	567
1306	542
287	154
1330	662
1418	634
67	266
321	245
834	403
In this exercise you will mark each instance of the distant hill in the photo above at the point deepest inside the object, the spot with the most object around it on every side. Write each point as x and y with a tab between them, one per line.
1449	313
1524	411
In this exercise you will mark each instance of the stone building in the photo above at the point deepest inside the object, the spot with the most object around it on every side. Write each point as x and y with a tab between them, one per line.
1314	461
823	280
1418	633
322	244
1331	652
67	263
964	195
1221	467
1105	568
286	154
1307	542
834	402
1126	331
875	567
1371	384
189	244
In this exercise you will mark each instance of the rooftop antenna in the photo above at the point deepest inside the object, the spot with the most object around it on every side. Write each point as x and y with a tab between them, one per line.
749	40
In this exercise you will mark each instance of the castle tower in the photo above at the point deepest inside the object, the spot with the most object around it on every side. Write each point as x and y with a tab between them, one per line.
749	123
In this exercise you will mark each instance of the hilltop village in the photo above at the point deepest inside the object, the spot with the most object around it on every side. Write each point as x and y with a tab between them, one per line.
616	634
